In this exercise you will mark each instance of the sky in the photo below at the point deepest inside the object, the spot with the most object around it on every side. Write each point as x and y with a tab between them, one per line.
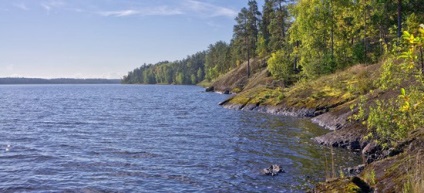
106	38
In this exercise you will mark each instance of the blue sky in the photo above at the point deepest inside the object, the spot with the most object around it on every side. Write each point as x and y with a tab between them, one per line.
106	38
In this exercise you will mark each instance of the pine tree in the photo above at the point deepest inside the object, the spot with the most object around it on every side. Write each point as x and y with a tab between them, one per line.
246	32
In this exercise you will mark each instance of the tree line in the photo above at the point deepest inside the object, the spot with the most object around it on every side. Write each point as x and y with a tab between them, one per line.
57	81
300	38
187	71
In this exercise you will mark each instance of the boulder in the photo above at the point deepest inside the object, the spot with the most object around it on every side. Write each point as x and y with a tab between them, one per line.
353	171
210	89
273	170
372	152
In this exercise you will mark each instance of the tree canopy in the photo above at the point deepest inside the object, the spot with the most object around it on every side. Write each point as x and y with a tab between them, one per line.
306	38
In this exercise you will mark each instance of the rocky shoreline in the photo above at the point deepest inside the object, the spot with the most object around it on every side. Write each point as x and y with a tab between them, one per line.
327	101
344	133
383	165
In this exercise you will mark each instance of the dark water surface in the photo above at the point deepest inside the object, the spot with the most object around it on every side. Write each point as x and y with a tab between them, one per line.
133	138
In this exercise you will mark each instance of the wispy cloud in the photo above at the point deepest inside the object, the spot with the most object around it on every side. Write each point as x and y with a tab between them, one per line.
209	10
163	10
198	8
52	4
195	8
120	13
151	11
21	6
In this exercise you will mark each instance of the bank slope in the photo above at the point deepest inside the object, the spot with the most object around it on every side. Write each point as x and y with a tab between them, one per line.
329	101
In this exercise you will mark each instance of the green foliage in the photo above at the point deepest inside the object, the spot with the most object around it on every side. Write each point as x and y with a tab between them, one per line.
359	53
280	65
391	119
318	37
200	75
261	48
278	26
370	177
217	60
336	34
180	78
193	79
186	71
245	32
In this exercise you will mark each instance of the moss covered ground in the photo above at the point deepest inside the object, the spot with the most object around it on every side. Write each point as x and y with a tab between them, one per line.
324	92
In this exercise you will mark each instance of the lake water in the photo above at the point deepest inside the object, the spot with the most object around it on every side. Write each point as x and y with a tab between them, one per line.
140	138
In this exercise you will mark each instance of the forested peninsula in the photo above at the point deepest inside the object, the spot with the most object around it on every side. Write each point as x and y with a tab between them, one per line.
354	67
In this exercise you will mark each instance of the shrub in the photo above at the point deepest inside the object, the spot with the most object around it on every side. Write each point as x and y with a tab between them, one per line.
280	66
390	120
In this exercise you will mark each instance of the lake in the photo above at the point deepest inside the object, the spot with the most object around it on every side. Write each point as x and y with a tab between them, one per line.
151	138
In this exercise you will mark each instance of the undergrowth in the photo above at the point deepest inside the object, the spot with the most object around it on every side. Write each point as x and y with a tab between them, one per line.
415	176
326	91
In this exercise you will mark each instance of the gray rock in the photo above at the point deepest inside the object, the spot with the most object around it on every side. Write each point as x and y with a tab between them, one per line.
273	170
356	170
210	89
371	148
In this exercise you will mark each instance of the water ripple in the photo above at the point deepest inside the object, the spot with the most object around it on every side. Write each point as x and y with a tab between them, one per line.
120	138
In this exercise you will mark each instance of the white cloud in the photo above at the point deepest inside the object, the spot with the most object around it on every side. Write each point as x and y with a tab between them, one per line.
120	13
199	8
151	11
46	7
209	10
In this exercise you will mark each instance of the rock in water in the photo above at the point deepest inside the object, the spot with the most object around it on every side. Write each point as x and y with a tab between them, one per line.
273	170
210	89
266	171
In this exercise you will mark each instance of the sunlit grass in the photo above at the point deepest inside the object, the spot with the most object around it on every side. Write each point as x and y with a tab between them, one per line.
326	91
415	176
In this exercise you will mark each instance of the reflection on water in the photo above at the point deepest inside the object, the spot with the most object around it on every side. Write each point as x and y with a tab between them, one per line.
111	138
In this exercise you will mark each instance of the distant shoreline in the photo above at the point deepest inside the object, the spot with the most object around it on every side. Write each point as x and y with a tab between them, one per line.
58	81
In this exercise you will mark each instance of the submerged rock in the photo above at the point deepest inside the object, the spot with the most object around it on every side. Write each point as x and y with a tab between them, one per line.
210	89
272	170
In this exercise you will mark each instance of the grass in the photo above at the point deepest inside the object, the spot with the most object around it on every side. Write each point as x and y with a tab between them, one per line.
403	172
258	95
332	89
324	92
415	176
205	83
369	177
